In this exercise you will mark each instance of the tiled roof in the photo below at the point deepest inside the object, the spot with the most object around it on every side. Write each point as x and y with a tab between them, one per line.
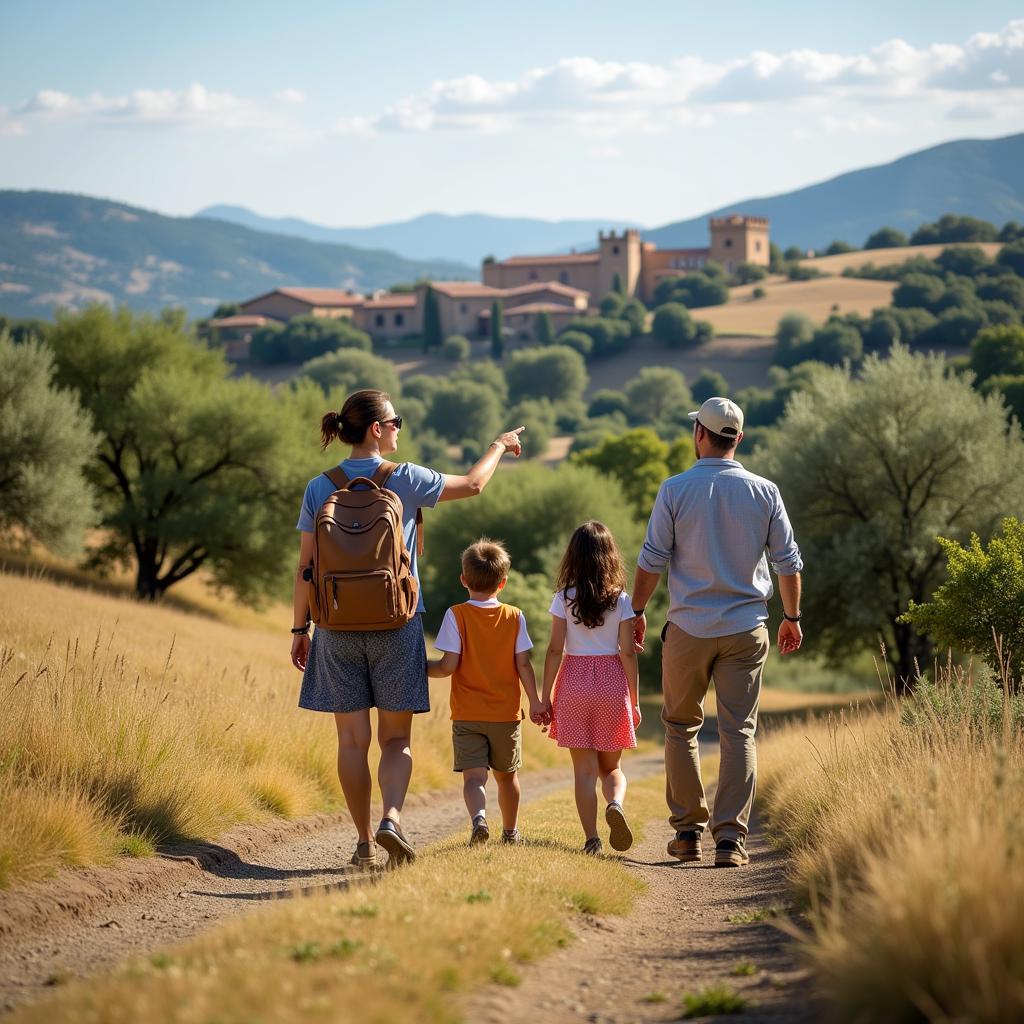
466	290
314	296
546	261
548	286
538	307
396	300
239	320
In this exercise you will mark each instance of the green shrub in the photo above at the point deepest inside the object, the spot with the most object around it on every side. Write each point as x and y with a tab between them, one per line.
456	348
578	342
673	326
555	373
349	369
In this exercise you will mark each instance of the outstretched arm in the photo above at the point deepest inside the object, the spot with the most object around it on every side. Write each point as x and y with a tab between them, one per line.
476	479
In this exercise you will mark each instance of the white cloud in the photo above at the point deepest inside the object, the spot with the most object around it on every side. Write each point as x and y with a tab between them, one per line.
291	96
604	97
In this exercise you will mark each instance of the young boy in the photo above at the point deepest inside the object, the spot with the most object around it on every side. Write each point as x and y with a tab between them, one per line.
487	653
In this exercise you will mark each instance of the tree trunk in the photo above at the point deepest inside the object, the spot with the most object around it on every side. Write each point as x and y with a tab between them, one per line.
913	653
147	583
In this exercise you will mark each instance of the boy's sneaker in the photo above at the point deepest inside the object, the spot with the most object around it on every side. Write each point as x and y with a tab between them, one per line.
390	837
481	833
592	847
729	853
365	855
621	837
686	846
511	837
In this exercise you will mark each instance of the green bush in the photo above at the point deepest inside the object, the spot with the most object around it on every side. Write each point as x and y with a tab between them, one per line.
886	238
1012	256
802	272
998	351
709	384
1011	388
980	607
758	293
349	370
706	288
465	410
555	373
456	348
673	326
538	415
608	401
951	227
609	336
655	392
578	342
306	337
638	459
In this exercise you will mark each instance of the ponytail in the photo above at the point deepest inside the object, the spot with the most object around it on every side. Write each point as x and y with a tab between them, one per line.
361	410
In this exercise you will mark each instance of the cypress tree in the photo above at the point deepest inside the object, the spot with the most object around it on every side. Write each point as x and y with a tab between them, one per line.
617	285
431	321
497	330
543	329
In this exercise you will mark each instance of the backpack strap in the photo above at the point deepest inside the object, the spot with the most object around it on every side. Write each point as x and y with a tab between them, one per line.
338	477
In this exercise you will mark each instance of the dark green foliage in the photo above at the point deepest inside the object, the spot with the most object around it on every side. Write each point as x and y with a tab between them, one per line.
607	401
611	304
965	260
462	409
617	286
543	329
920	290
959	294
638	459
673	326
484	371
306	337
748	273
570	415
555	373
1011	387
609	336
578	342
951	227
1004	288
655	393
1011	256
886	238
1000	313
20	330
838	247
1011	231
349	370
954	328
225	309
432	334
776	261
421	386
836	342
803	272
758	293
794	253
706	288
998	351
979	609
538	415
634	313
792	335
195	469
709	384
456	348
497	330
46	442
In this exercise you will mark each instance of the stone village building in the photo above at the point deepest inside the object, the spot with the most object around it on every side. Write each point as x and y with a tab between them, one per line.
563	286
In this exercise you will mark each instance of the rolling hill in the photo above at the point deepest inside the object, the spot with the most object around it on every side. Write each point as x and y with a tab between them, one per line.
58	249
468	237
979	177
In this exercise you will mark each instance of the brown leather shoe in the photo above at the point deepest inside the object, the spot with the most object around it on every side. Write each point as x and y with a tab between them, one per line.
729	853
685	846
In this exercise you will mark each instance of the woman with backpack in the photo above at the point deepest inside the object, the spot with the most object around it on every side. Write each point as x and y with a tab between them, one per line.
348	669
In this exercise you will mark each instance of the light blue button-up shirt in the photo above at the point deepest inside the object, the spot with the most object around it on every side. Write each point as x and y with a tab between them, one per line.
717	527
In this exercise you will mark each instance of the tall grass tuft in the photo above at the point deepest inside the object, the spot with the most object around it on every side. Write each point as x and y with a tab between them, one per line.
123	726
907	844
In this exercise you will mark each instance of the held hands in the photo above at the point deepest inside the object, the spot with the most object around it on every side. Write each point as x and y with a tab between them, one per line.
791	636
510	441
300	651
540	713
637	717
639	632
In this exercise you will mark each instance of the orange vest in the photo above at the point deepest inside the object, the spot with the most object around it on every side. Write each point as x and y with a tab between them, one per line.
485	686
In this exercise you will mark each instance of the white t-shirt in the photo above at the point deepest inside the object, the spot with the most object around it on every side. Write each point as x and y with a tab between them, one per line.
449	639
579	639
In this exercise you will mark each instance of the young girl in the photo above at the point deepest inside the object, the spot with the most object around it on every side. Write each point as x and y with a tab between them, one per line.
595	709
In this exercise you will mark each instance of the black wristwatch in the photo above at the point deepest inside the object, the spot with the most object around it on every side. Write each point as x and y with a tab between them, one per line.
300	630
792	618
637	612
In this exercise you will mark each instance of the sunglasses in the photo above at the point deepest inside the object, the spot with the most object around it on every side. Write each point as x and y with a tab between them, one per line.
395	421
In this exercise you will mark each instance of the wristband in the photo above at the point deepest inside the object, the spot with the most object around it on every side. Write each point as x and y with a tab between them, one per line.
637	612
300	630
792	618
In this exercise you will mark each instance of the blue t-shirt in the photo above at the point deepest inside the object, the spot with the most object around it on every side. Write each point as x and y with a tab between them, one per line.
417	486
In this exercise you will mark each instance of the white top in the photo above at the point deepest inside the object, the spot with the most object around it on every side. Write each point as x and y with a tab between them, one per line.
601	640
450	641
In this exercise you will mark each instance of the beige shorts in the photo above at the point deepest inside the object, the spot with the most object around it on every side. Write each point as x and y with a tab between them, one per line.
497	745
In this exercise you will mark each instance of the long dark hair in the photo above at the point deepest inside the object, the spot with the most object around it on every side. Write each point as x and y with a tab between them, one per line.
361	410
593	566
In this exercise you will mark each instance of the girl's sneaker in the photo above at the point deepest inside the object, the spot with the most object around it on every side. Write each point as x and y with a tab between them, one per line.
365	856
592	847
391	837
511	837
481	833
621	837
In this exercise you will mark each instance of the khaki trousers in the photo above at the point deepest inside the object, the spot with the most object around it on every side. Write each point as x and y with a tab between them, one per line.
689	663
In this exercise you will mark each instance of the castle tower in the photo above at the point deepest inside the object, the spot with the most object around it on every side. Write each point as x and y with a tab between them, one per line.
737	239
619	254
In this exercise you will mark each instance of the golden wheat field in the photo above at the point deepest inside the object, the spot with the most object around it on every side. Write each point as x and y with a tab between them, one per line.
124	725
887	257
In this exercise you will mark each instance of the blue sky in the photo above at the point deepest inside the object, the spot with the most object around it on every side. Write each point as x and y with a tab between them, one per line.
349	113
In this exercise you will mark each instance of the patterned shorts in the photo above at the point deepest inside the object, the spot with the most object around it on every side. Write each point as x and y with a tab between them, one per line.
352	671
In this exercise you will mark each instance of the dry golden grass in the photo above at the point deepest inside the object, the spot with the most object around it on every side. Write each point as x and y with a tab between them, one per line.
886	257
745	315
905	835
123	725
399	950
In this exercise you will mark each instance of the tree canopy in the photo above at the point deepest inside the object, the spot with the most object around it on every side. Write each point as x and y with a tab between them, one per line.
555	373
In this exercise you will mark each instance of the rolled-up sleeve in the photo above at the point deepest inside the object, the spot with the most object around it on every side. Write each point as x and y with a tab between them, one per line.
783	553
661	536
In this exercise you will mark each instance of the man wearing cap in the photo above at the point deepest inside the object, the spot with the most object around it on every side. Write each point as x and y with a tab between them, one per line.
717	527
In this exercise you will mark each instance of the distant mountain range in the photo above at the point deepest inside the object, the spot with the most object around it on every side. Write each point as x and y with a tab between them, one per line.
468	237
58	249
982	178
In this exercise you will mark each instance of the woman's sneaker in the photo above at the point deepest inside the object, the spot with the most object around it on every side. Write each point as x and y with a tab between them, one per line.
365	856
592	847
685	846
621	837
481	833
511	837
729	853
390	837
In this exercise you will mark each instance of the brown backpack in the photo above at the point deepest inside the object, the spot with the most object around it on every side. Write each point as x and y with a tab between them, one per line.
361	575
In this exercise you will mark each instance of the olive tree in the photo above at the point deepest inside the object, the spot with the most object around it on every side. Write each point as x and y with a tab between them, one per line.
873	467
555	372
46	440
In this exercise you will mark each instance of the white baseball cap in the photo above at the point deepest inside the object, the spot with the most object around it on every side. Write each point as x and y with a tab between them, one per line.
720	416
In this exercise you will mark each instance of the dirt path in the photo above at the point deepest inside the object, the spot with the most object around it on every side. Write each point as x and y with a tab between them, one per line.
676	940
90	920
